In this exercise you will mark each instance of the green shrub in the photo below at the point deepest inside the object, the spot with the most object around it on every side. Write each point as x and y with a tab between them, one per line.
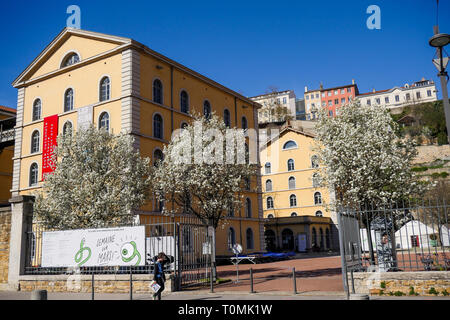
398	293
445	293
383	285
411	291
433	291
419	169
442	138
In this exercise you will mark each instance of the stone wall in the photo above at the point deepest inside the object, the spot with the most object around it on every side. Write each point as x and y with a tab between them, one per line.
83	283
422	282
431	153
5	232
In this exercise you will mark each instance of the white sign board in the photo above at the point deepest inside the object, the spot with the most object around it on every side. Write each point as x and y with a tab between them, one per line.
84	117
94	247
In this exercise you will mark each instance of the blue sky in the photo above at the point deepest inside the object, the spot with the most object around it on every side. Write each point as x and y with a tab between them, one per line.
246	45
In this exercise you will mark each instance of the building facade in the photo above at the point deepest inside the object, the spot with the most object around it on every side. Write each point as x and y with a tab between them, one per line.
294	199
119	84
7	123
398	97
329	98
273	100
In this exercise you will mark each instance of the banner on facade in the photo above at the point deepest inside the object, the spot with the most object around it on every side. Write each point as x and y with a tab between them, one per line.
85	117
94	247
48	143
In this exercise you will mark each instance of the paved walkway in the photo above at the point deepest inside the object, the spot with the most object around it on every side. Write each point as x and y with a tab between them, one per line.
314	273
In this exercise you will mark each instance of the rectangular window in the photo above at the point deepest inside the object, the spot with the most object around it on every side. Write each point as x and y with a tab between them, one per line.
324	104
336	101
317	96
414	241
307	97
278	100
342	91
429	93
377	100
418	94
336	92
386	99
408	97
349	90
368	102
397	98
329	93
330	103
284	100
323	94
342	100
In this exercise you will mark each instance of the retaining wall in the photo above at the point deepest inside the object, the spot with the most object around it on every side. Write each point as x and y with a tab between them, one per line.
5	232
422	282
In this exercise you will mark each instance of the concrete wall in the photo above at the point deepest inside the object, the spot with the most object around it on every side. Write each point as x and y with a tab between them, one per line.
432	152
5	231
370	282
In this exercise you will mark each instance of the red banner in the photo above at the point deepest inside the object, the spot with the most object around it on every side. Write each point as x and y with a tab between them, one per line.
48	143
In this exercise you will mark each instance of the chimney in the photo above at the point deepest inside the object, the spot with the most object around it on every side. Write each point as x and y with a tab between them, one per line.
321	86
373	90
306	89
353	81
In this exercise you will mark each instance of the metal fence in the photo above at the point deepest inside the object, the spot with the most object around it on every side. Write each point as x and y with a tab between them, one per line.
184	239
406	236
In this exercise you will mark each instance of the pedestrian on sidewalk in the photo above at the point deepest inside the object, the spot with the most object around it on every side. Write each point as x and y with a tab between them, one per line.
158	276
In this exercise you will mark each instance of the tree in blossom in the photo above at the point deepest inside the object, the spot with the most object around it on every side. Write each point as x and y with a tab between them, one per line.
98	180
205	171
365	162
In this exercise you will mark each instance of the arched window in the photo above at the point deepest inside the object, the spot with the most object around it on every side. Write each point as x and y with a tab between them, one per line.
321	238
317	198
268	185
314	161
327	238
227	118
319	214
68	100
269	203
289	145
248	208
244	123
157	126
291	183
231	238
70	59
206	109
37	106
293	200
67	128
293	214
267	168
270	216
157	157
35	141
184	102
290	165
157	91
104	121
316	180
34	170
231	211
105	89
314	237
249	234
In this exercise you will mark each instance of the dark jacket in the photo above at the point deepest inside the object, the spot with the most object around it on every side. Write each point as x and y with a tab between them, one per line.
156	271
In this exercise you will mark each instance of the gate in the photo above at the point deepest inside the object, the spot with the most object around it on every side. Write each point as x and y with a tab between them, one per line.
194	255
403	236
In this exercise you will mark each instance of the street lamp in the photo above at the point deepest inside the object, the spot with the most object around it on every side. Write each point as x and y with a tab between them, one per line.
439	41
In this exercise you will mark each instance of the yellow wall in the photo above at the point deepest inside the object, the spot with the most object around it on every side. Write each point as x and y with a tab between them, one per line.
302	173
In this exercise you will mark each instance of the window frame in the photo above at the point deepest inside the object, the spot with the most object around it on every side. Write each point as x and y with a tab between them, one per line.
108	88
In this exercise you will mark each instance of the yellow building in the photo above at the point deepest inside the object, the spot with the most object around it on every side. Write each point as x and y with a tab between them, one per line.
86	77
294	201
7	122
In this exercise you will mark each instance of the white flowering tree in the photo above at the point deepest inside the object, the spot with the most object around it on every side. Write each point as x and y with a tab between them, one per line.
364	161
205	171
98	179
